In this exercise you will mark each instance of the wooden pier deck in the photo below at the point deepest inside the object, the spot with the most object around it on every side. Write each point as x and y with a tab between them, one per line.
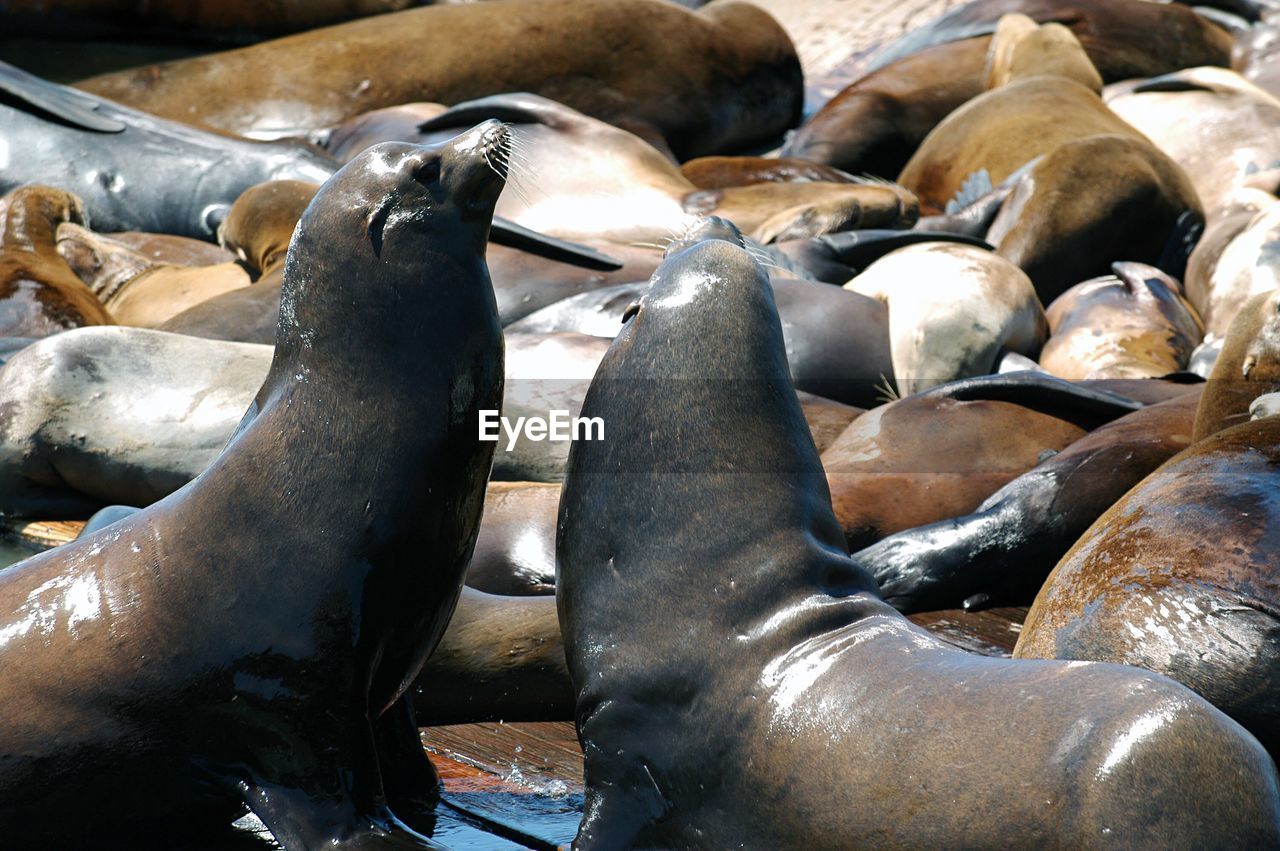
510	786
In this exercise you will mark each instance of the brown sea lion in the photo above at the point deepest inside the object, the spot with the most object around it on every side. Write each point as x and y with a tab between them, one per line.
923	459
742	684
39	294
292	702
724	172
501	659
148	295
1247	367
716	80
1182	577
580	178
390	123
515	550
1000	554
1133	323
876	123
1142	208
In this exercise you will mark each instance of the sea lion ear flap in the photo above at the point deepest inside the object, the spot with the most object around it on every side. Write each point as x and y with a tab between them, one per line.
1020	49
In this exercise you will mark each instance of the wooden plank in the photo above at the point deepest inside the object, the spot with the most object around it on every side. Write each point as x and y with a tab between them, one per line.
992	632
44	533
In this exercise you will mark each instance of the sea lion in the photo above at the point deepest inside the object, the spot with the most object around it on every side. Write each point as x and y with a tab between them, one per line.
737	80
952	309
579	178
1133	323
1179	577
39	294
1247	266
105	415
1211	121
137	172
1267	405
876	123
1148	213
515	550
837	341
211	22
315	751
1131	34
1223	224
1247	367
713	667
726	172
923	459
390	123
1000	554
143	173
138	291
501	659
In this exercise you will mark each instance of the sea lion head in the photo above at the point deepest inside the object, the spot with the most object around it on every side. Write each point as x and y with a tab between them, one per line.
261	222
393	231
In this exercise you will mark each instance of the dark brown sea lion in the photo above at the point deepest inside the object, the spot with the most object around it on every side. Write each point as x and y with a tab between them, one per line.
291	702
1133	323
515	550
743	684
1182	577
235	21
39	294
1247	367
501	659
1000	554
708	82
876	123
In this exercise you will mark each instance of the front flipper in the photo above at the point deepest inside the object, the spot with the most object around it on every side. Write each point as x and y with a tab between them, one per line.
512	235
56	102
409	780
298	821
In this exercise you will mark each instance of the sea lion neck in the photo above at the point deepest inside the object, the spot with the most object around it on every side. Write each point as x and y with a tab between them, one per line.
707	340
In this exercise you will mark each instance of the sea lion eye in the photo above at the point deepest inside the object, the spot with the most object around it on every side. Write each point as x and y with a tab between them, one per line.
429	173
632	310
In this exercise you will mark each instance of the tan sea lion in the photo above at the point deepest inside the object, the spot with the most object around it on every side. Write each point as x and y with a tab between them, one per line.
1247	367
1219	127
1246	267
952	310
876	123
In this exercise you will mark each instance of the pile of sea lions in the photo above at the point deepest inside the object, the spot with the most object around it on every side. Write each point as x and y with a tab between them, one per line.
998	325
